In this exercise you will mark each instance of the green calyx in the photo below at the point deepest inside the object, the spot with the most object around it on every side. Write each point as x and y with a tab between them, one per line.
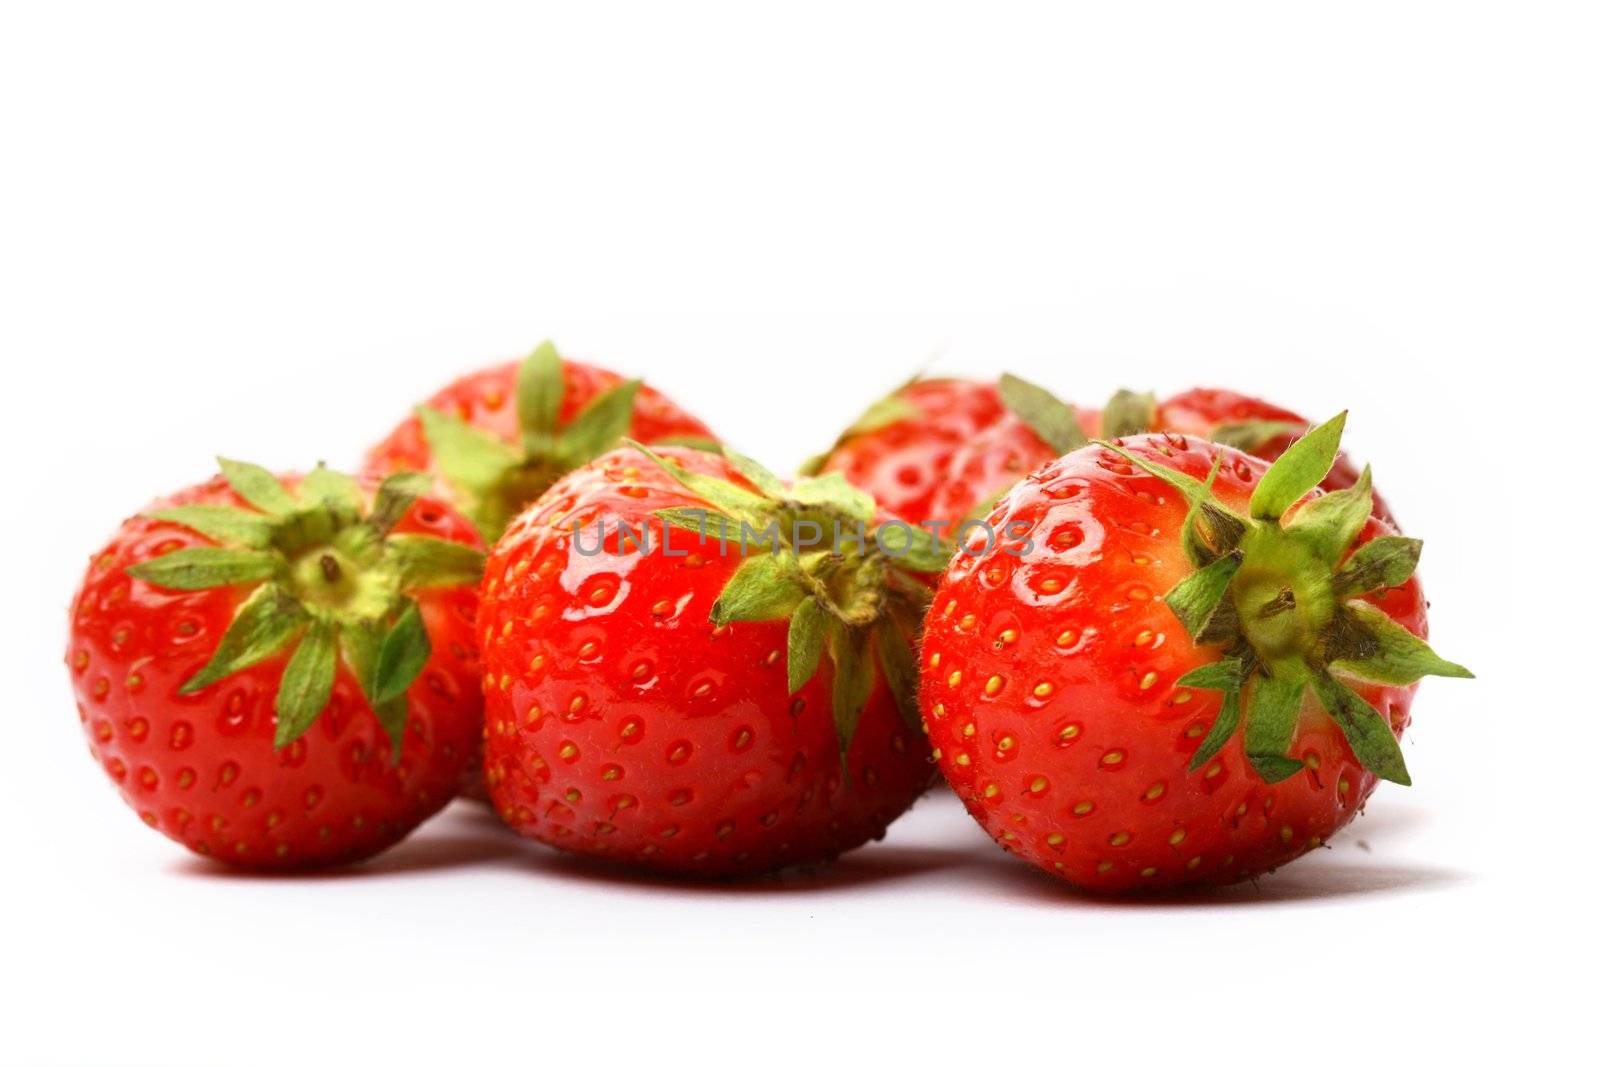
332	581
496	479
1052	419
1280	597
1128	413
814	556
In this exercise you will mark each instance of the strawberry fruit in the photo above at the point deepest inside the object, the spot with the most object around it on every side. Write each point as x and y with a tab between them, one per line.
900	447
1183	665
500	437
281	672
693	704
1036	427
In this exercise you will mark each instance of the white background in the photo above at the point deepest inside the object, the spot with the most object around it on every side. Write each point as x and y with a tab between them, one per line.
267	231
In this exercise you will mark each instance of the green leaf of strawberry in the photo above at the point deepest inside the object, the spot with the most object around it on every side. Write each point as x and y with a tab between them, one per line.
474	461
705	524
1252	434
330	581
1298	470
1274	710
848	600
540	388
899	663
1197	599
1381	563
1054	421
258	486
232	526
599	426
206	568
832	491
728	499
1278	595
1369	734
268	620
494	478
1226	675
396	494
766	586
852	679
808	635
1128	413
428	562
307	682
1384	651
401	656
334	488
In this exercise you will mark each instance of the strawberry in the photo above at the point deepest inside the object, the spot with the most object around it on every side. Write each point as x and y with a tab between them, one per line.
500	437
1037	427
900	447
688	706
281	672
1033	428
1264	430
1181	666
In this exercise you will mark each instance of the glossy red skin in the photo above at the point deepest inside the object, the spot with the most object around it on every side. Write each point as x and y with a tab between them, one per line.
202	769
992	460
1023	760
1200	411
486	399
622	724
903	464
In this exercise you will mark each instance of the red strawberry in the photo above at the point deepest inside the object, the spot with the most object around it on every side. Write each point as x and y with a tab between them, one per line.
900	448
1037	427
670	706
1140	686
500	437
282	673
1264	430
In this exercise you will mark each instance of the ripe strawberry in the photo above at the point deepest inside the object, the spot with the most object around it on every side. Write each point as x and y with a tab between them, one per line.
498	438
243	656
1264	430
1084	682
669	706
900	448
1037	427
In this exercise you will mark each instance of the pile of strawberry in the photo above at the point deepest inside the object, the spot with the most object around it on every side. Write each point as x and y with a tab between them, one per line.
1152	644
